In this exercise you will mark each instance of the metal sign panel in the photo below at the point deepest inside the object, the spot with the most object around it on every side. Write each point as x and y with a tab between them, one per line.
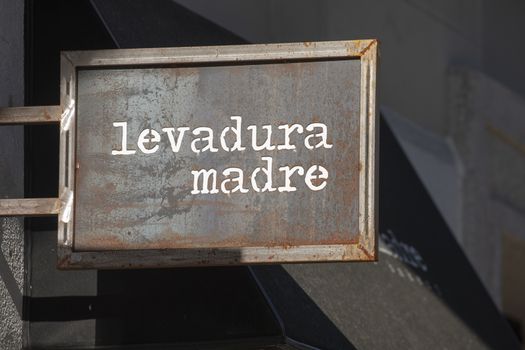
218	155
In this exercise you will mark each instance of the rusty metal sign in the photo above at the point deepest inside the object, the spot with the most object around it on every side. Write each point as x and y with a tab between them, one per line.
218	155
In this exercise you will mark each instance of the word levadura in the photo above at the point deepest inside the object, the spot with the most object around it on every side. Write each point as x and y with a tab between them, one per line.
230	140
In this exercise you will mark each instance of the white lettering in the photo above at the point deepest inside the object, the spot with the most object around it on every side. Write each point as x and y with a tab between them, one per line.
288	129
317	184
175	146
237	131
268	172
239	179
124	146
323	135
206	174
287	174
261	179
208	139
145	137
266	145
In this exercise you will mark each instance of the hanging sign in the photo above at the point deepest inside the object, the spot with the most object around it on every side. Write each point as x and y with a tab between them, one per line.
218	155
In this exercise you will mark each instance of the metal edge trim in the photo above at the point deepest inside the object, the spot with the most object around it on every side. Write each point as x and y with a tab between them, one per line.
226	53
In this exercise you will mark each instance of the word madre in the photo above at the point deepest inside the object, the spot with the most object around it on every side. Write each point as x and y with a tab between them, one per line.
230	139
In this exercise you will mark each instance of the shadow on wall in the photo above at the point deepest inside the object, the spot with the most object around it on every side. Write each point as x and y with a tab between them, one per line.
182	305
165	306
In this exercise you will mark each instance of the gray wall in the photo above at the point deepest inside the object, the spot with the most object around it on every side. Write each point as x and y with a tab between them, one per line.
503	45
419	40
11	173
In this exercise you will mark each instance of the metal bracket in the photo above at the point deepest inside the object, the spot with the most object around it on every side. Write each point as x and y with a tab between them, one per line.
66	201
31	206
66	117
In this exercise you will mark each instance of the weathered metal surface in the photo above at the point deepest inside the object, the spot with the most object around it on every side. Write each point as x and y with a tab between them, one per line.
29	207
138	209
30	115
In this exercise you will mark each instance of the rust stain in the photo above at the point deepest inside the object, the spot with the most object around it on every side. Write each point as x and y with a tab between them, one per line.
372	43
507	139
352	47
365	252
211	203
63	262
174	240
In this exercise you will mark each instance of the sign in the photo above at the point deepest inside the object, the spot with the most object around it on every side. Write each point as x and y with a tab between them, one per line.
218	155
